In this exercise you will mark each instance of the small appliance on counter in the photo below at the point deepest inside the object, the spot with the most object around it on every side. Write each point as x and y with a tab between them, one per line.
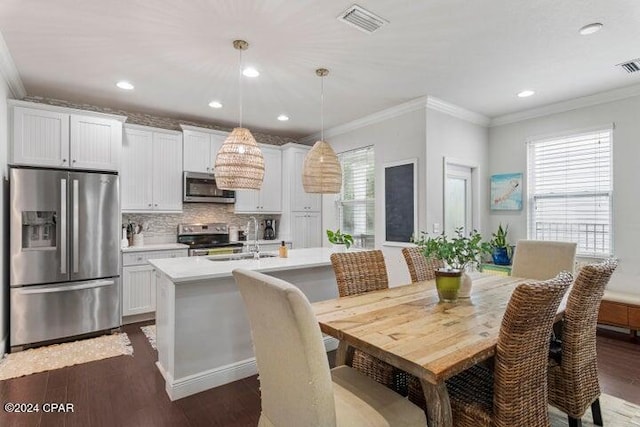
207	239
269	229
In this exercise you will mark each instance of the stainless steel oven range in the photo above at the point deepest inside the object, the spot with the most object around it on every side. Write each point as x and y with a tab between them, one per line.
207	239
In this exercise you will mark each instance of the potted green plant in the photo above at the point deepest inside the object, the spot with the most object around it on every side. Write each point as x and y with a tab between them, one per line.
341	241
501	250
458	253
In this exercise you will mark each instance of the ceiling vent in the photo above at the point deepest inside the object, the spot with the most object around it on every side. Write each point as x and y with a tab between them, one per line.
362	19
632	66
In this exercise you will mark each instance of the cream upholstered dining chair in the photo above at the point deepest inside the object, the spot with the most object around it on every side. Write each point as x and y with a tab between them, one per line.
420	267
297	387
358	273
542	260
573	374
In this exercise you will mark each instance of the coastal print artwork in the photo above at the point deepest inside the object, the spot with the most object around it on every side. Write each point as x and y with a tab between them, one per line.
506	192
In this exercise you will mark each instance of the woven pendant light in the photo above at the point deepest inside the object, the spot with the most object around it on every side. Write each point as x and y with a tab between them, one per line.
239	163
321	170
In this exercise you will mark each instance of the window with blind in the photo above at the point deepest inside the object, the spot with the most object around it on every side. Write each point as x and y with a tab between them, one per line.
356	201
570	190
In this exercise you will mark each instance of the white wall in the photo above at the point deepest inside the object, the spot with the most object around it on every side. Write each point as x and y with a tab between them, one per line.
507	153
395	139
4	234
458	140
429	136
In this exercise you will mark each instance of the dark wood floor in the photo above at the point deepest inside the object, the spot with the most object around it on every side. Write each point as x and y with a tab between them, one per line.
129	391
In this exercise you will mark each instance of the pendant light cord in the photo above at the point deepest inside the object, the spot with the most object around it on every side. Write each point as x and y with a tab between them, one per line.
240	85
322	108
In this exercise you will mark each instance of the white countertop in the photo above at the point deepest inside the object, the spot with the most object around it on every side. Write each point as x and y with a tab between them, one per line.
155	247
183	270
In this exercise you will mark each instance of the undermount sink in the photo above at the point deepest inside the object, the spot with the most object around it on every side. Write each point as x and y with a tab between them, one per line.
237	257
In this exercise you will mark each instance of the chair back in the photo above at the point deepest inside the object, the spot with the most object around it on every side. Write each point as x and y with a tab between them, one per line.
543	260
295	380
579	362
359	272
420	267
520	382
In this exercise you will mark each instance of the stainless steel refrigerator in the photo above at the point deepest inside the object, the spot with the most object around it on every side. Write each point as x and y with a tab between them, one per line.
64	254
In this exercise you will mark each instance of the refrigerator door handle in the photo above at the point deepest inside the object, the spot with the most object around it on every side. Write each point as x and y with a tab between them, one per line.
63	226
63	288
76	225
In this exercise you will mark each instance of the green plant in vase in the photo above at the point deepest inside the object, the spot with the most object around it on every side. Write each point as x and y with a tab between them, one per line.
341	241
501	250
458	253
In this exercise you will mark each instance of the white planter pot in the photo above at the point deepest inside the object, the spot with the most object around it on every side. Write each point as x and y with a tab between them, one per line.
465	286
338	248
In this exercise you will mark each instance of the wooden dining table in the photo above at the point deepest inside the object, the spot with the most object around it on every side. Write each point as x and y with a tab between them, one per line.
407	327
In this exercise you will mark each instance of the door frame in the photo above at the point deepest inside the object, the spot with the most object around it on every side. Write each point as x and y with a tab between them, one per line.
475	190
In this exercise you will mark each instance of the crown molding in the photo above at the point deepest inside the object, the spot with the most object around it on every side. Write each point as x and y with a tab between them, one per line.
66	110
9	71
206	130
380	116
572	104
456	111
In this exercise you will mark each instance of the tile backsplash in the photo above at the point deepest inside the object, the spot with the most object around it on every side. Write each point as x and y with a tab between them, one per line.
162	227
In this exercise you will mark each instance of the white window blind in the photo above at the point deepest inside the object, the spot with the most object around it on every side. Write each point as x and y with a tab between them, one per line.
570	191
356	201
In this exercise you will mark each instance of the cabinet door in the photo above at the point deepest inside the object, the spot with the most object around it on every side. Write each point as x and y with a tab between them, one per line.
167	171
138	290
95	143
197	152
136	176
299	229
300	199
313	230
271	191
40	138
247	201
216	142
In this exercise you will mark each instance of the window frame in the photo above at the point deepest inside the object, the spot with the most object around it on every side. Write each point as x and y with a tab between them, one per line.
610	193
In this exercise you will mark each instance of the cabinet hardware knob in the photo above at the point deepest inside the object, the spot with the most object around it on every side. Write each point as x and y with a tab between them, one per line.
149	204
64	160
74	160
156	205
139	258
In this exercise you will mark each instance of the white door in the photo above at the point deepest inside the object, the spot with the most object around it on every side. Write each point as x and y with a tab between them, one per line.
40	138
167	171
314	230
136	175
138	290
197	152
271	191
95	143
458	201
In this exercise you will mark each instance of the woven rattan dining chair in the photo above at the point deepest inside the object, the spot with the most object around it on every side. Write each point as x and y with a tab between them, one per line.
514	393
358	273
542	260
573	377
297	387
420	267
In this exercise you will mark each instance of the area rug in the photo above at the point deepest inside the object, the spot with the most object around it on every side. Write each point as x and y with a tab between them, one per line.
615	412
150	333
67	354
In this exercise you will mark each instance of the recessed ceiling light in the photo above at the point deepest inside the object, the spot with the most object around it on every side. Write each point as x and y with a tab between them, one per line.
250	72
215	104
591	28
283	117
124	85
526	93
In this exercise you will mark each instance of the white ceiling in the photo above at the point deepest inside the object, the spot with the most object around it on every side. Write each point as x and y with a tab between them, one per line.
476	54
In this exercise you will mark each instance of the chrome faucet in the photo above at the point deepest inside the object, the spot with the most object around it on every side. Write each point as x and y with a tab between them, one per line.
255	249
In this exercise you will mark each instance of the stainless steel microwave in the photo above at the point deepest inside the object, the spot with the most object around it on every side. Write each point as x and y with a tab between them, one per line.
201	188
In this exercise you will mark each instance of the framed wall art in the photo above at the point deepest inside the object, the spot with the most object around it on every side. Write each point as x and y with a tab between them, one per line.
506	192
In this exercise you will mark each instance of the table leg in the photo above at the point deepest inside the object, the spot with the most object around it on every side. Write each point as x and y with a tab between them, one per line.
344	354
438	405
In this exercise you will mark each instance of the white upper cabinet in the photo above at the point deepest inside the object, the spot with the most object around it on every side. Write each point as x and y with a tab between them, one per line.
95	143
268	199
306	230
300	199
151	176
200	148
60	138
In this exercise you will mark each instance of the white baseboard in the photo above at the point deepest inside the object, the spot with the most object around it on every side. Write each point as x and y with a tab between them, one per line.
3	345
196	383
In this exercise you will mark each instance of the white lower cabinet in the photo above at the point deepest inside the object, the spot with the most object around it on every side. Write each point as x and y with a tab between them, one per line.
306	230
139	281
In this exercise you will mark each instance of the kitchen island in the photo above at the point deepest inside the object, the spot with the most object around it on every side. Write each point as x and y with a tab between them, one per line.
203	334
